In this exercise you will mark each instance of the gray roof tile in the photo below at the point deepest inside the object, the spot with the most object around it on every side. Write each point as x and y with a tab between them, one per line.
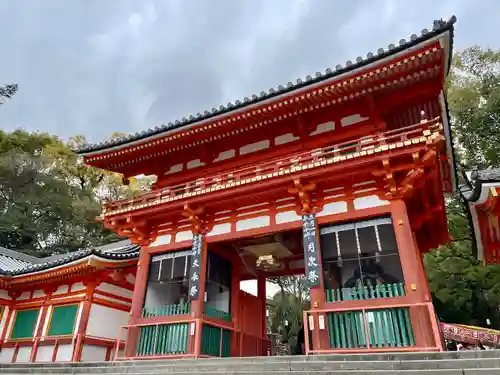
10	265
471	189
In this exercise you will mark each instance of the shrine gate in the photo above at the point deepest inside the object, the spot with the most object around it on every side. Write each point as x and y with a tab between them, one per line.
339	176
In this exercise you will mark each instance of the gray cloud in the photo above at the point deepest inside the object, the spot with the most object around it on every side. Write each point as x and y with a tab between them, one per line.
94	67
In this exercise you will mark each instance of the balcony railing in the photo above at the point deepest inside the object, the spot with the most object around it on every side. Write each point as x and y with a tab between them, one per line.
302	161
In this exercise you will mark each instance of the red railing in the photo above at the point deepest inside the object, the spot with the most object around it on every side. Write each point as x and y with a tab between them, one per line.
278	166
384	326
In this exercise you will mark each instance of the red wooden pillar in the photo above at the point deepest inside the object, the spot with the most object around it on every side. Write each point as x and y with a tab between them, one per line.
236	312
423	320
141	281
41	323
261	293
38	333
82	327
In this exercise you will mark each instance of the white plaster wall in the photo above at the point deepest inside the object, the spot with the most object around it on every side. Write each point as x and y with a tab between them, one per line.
64	353
285	138
333	208
175	168
324	128
369	201
44	353
253	147
287	217
6	355
224	155
77	286
130	278
38	293
183	236
162	240
92	353
195	164
4	295
116	290
352	119
220	229
255	222
61	289
105	321
24	295
23	355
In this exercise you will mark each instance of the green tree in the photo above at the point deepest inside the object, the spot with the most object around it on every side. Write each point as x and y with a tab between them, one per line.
474	99
49	199
286	316
464	290
287	307
7	92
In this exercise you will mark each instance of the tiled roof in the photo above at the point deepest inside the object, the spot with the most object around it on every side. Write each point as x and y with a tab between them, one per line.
471	190
10	265
439	27
9	260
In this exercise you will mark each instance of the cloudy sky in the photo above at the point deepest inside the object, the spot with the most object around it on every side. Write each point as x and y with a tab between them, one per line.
94	67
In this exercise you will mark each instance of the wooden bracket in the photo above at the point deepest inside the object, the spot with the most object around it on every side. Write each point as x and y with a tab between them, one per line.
303	192
138	232
196	218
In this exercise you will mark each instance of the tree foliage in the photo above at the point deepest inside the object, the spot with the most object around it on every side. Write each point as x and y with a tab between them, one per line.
49	200
474	99
7	92
287	306
464	290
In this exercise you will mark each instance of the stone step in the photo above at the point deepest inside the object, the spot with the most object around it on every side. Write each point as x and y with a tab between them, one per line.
484	371
244	361
206	367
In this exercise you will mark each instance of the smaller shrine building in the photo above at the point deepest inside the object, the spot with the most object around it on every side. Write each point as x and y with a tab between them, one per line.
481	193
65	308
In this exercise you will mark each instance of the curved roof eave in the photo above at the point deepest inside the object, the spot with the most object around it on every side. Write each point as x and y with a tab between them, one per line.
439	27
73	258
473	187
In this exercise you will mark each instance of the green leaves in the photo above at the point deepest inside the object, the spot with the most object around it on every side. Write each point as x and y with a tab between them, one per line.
7	92
464	290
474	98
48	199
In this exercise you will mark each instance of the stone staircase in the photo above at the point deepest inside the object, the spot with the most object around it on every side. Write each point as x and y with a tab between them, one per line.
449	363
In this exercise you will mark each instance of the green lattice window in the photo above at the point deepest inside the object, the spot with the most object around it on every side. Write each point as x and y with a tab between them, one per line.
62	321
24	324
